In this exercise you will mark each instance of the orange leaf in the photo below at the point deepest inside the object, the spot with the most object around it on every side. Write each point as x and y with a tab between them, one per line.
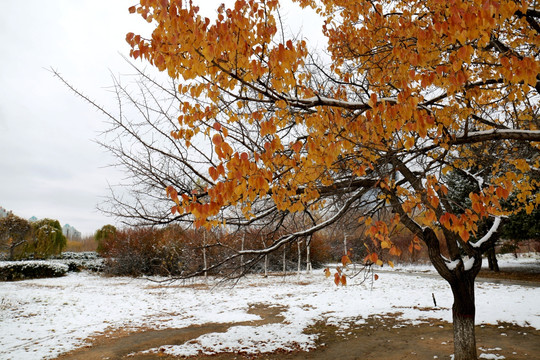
394	250
376	277
430	216
213	173
217	139
172	193
337	278
343	280
445	220
345	260
502	193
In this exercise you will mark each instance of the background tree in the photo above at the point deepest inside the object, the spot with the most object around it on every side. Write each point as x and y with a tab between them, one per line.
520	227
47	239
14	232
460	185
265	133
105	237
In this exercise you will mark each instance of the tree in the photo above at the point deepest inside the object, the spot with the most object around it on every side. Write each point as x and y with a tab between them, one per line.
522	226
47	239
266	133
14	232
105	237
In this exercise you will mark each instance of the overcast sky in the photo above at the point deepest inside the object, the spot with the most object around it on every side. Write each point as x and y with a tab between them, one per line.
49	164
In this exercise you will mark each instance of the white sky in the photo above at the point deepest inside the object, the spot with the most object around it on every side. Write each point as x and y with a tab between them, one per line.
49	164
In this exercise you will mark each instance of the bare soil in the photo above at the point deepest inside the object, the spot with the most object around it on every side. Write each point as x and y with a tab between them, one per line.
378	337
119	344
517	275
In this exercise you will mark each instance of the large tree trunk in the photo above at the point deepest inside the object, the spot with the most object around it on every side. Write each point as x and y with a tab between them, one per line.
463	313
462	284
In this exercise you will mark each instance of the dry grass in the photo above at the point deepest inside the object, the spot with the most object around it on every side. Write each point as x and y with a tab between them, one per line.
85	244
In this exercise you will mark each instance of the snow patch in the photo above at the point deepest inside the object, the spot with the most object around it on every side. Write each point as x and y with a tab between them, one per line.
468	263
491	356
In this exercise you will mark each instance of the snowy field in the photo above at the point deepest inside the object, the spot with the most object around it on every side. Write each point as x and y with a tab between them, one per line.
43	318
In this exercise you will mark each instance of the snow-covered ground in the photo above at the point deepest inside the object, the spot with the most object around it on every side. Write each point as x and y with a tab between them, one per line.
505	261
42	318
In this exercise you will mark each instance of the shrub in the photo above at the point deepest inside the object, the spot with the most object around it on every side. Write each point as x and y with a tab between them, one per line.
20	270
147	251
77	261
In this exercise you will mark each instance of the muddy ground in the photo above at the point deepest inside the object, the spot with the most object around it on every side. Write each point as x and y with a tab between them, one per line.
378	337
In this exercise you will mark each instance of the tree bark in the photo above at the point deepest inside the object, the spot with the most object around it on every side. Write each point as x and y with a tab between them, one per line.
204	256
308	255
299	256
492	260
463	314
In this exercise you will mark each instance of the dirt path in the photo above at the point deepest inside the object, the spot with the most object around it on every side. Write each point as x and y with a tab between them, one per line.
119	344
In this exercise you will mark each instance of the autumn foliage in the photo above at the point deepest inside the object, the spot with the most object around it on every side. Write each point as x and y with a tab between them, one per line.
440	74
412	90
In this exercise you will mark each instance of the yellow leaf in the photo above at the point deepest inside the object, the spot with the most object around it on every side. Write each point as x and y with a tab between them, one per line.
327	272
409	143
